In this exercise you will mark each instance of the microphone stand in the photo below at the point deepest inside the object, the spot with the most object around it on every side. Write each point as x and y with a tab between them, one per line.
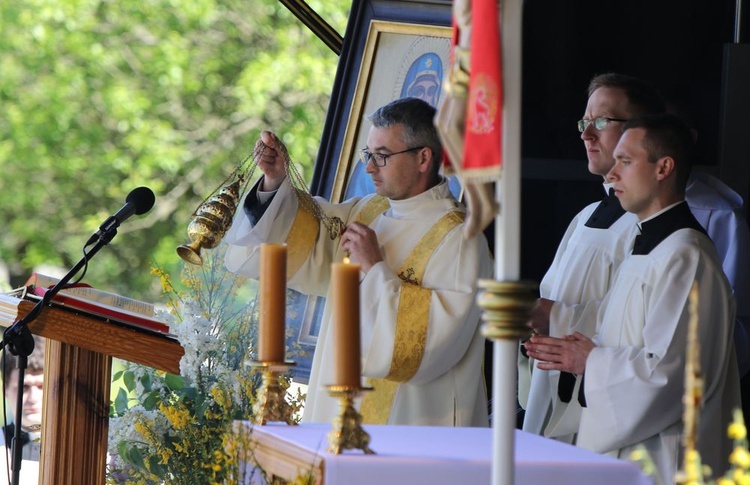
18	339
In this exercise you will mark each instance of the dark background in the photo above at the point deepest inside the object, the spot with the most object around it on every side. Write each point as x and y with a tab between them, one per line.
677	45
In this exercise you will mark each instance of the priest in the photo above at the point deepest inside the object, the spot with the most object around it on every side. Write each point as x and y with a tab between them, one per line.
422	351
632	371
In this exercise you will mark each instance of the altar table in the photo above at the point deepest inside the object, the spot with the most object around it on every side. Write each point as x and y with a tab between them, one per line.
430	455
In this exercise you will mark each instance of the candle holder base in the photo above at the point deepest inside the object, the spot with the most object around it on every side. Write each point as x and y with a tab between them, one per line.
347	432
270	404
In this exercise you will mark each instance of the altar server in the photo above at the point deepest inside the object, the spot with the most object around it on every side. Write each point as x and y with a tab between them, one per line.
600	236
632	371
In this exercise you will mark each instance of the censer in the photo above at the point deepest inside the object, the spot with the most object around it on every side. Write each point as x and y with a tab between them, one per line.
210	222
214	216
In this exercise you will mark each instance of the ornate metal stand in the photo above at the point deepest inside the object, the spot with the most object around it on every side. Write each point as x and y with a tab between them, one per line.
506	305
347	432
271	404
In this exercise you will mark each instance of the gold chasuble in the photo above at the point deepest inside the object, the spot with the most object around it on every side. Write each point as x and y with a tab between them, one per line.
413	314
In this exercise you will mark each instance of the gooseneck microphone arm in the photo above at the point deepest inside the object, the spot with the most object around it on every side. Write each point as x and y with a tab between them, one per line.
18	339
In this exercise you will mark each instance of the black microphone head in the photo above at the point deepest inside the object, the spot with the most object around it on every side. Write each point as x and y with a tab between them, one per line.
142	198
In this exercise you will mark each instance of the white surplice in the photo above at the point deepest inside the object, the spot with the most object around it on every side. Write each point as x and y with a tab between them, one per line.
582	270
448	388
634	378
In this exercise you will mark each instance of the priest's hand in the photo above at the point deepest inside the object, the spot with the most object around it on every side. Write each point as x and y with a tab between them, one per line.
567	354
271	163
539	318
361	243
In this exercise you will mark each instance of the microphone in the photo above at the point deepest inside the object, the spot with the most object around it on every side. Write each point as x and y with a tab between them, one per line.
139	201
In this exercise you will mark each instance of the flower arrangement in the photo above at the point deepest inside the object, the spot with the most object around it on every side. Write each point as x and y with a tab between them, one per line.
177	429
695	473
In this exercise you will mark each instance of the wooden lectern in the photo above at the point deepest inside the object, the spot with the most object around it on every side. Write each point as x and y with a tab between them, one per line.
78	364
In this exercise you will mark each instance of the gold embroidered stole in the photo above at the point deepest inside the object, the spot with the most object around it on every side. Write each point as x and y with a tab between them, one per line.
300	240
411	322
305	228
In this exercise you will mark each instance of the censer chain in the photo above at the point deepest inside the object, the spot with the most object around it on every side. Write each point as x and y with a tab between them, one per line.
334	225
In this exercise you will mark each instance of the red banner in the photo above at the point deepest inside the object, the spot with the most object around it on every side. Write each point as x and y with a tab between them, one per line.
483	140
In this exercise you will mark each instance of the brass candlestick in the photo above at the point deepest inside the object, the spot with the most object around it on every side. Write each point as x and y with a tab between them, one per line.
271	404
347	432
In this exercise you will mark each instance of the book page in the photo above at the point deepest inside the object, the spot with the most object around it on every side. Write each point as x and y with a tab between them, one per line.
92	294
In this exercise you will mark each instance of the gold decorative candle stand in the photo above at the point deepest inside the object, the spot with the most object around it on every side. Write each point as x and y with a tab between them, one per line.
271	404
347	432
507	306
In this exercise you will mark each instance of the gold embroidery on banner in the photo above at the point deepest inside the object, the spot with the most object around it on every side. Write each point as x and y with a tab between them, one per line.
411	324
300	240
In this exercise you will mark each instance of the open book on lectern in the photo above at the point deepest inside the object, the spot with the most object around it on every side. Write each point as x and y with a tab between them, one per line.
86	299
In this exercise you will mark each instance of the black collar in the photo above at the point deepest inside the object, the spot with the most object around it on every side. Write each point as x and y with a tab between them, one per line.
655	230
606	213
9	431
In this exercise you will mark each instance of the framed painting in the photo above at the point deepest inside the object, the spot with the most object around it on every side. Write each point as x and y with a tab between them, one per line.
400	60
389	47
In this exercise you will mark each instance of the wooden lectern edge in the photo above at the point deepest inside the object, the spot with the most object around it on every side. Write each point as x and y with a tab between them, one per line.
96	334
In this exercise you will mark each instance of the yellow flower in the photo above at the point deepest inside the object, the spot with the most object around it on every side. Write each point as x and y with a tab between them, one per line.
740	477
145	431
222	398
179	418
740	457
737	431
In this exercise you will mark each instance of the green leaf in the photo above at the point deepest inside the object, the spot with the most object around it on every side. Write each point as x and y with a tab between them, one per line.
151	401
121	402
146	382
128	379
174	382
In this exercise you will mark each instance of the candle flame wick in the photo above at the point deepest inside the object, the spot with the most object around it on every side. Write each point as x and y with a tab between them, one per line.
346	260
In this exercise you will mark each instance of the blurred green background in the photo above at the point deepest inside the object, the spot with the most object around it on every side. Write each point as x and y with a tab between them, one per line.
99	97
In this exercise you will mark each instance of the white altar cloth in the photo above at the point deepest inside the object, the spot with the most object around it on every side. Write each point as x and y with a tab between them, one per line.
440	455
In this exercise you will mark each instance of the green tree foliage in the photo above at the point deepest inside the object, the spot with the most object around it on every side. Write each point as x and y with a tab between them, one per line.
98	97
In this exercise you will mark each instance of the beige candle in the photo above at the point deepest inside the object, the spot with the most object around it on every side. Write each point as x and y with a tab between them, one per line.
272	328
346	339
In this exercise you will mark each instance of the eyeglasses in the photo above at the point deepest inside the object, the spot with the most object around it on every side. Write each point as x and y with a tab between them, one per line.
599	123
379	159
